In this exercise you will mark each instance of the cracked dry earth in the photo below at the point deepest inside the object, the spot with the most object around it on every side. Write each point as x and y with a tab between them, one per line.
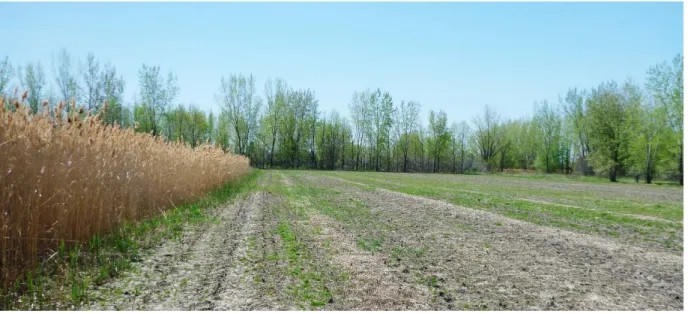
308	241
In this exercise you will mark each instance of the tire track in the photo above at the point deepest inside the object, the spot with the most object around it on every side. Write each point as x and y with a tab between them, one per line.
223	257
185	276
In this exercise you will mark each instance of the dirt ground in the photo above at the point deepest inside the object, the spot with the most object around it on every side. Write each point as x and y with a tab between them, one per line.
305	241
205	270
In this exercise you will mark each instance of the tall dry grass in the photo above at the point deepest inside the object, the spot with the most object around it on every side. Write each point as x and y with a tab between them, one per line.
66	176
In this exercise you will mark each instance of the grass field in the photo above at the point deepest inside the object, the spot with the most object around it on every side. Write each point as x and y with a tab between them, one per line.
642	214
384	241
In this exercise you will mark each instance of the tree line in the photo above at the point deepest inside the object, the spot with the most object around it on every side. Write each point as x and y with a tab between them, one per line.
613	129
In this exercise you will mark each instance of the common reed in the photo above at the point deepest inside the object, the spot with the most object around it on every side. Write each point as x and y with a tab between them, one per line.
65	176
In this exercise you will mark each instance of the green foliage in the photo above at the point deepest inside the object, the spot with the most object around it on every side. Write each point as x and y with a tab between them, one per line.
6	74
156	95
548	125
440	137
188	126
665	81
612	130
32	79
142	119
524	143
611	111
487	136
240	108
650	144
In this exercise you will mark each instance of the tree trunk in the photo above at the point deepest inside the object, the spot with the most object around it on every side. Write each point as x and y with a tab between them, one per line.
297	150
422	159
648	171
546	163
358	155
272	150
501	162
352	149
343	154
389	155
612	171
680	164
434	164
377	157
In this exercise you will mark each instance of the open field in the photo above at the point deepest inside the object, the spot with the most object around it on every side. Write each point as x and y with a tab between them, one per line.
378	241
283	168
644	215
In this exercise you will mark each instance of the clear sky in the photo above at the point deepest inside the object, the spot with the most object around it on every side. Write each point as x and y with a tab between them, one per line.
455	57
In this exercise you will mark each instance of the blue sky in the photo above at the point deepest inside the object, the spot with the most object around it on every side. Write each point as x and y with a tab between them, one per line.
455	57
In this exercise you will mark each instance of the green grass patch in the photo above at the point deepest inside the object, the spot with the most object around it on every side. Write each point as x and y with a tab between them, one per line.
310	288
370	244
407	252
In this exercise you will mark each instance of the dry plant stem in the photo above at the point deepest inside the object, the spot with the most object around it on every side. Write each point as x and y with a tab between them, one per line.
65	176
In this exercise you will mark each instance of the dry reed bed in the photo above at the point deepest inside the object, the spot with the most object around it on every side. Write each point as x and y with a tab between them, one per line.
66	176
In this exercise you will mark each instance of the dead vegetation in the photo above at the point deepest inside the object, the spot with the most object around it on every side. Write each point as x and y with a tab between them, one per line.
66	177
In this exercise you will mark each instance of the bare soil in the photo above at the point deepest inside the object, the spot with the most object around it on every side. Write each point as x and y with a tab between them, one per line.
205	270
495	262
464	259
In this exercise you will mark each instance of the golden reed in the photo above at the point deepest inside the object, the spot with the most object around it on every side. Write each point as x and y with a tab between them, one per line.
64	175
